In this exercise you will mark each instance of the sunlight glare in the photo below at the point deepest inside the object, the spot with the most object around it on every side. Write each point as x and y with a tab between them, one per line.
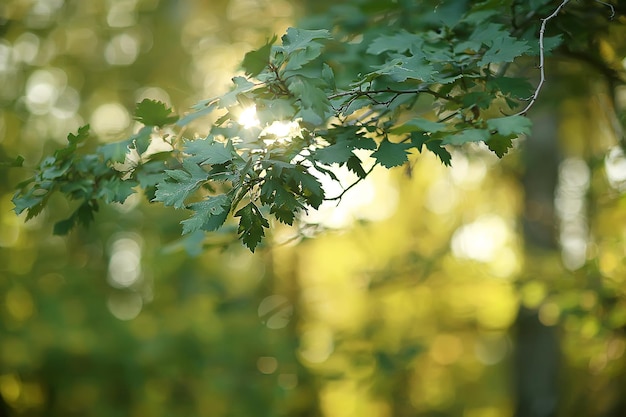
125	306
281	131
275	311
615	168
109	120
446	349
125	262
490	349
570	204
267	364
373	199
248	118
43	88
317	344
480	240
122	50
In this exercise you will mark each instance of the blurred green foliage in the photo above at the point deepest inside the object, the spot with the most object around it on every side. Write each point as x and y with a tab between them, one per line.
409	308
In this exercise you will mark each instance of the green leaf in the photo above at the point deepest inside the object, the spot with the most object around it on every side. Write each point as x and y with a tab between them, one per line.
310	95
510	125
150	173
82	215
355	165
275	109
254	62
486	34
298	59
419	124
209	214
73	141
284	205
442	153
391	154
116	190
209	151
478	16
337	153
201	109
549	44
479	99
296	39
180	185
63	227
13	163
115	151
154	113
241	85
32	200
509	86
504	49
306	185
399	42
328	76
402	69
301	47
465	136
500	145
141	140
51	169
251	225
341	151
81	135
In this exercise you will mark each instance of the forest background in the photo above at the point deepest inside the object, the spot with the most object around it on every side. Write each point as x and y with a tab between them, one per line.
492	287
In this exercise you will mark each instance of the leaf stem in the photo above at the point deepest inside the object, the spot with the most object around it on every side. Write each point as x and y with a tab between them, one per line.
340	196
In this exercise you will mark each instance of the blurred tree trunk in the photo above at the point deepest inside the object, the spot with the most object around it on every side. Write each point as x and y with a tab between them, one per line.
536	361
4	408
304	400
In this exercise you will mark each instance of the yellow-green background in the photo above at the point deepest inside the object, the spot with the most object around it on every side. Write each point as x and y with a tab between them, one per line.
406	306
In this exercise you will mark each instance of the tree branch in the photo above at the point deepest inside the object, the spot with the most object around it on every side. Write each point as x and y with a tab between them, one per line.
542	72
345	190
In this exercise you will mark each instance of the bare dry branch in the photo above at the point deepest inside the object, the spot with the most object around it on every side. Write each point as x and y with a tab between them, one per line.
542	72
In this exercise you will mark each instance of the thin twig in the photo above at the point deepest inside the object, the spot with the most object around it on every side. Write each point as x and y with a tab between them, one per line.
367	93
542	72
609	6
345	190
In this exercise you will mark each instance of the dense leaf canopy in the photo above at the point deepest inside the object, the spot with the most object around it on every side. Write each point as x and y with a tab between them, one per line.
290	120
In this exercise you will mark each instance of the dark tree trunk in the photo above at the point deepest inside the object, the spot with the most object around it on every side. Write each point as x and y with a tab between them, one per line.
536	361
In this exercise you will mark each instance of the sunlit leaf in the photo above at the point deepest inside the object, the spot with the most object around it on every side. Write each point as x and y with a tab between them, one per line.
209	151
241	85
421	125
255	61
466	136
391	154
296	39
154	113
180	184
209	214
310	95
510	125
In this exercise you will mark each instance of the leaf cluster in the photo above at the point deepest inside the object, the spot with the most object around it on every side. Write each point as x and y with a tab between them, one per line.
417	91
